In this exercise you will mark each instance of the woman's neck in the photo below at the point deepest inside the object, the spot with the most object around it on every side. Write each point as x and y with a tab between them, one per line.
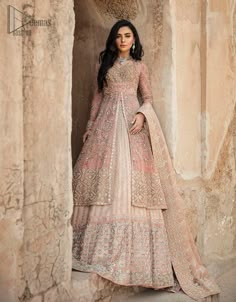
124	55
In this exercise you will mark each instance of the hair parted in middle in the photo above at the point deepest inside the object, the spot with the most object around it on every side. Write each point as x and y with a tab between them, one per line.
108	56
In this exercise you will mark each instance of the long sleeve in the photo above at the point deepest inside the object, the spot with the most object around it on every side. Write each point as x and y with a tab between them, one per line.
144	86
96	100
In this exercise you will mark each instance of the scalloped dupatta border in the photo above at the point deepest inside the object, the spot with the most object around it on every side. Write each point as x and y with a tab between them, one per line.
190	272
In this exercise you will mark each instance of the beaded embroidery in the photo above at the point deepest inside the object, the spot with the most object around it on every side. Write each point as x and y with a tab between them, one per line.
93	170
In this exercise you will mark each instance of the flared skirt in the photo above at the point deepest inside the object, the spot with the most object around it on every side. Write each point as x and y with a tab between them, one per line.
121	242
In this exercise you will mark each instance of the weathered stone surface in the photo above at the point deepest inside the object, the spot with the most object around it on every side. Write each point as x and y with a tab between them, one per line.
36	198
37	299
154	296
190	48
220	206
88	287
91	29
11	159
47	169
226	282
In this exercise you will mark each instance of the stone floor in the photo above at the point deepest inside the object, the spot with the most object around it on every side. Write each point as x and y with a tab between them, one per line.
227	283
154	296
91	288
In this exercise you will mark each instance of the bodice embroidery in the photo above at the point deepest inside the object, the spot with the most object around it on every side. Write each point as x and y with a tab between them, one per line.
92	181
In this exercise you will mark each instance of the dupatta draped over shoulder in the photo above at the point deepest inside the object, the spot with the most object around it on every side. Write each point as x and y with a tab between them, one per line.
153	179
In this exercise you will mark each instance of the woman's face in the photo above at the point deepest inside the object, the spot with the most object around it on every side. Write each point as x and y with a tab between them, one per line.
124	39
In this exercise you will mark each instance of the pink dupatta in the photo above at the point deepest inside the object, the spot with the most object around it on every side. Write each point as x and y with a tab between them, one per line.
190	272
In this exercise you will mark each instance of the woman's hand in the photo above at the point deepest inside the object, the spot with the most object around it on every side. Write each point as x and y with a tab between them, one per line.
86	134
138	123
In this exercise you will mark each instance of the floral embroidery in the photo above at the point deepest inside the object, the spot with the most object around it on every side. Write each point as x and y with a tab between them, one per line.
90	187
191	273
147	191
133	247
128	256
99	150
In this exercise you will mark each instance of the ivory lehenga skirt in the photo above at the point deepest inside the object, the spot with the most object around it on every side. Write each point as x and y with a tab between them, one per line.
133	245
123	243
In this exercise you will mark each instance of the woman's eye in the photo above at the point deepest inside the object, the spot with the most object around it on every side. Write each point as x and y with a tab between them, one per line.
125	36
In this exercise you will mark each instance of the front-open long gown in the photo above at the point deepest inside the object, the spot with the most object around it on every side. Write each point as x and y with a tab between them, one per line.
119	231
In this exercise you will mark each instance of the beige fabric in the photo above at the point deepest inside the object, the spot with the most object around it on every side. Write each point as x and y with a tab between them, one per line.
123	186
123	243
191	274
93	172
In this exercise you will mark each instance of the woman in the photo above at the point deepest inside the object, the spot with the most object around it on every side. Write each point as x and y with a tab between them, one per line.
128	220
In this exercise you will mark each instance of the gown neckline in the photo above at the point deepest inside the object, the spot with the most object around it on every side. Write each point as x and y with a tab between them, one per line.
125	63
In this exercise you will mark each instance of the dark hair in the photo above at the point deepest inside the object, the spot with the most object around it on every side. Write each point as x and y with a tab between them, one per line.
108	56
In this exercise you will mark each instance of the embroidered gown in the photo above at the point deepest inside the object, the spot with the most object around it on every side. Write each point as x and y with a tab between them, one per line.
120	195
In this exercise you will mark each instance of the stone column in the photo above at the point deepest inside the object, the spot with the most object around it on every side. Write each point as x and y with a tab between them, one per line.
47	70
36	197
218	135
203	36
11	158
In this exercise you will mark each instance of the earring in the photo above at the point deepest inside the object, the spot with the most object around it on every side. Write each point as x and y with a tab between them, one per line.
133	47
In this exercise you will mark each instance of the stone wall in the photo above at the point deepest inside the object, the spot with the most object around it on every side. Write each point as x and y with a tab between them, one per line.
218	134
190	49
94	18
204	60
11	160
36	197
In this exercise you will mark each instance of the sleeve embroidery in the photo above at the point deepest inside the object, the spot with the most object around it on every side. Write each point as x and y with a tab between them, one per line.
96	101
145	85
